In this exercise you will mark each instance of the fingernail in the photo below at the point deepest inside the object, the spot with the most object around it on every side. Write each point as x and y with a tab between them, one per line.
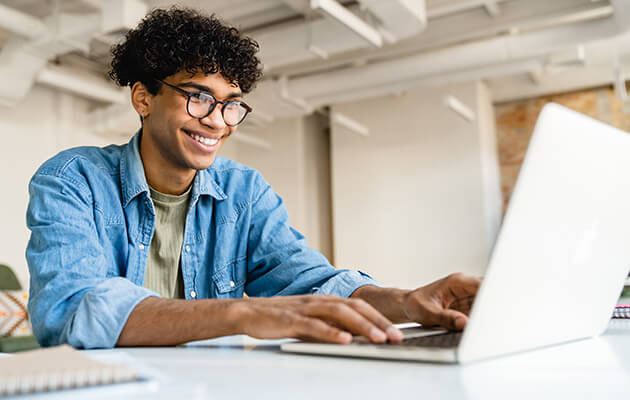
394	333
377	335
345	337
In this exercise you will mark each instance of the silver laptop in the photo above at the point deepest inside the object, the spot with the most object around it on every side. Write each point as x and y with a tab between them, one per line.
560	260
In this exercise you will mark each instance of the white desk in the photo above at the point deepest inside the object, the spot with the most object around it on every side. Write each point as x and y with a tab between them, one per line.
243	368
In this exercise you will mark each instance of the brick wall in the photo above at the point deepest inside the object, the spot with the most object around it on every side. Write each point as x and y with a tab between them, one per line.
516	120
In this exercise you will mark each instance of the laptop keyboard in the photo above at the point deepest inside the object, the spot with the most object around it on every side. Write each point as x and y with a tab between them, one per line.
440	340
445	340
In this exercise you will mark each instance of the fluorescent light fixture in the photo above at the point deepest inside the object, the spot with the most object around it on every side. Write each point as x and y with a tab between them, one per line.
338	12
318	51
349	123
460	108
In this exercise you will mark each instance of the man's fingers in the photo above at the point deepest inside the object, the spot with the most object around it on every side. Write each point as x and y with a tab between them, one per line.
313	328
453	320
348	318
378	319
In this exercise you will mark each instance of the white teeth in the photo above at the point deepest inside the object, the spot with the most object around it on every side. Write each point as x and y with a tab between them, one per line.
206	141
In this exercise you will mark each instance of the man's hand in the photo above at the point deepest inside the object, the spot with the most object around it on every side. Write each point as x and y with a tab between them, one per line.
446	302
314	317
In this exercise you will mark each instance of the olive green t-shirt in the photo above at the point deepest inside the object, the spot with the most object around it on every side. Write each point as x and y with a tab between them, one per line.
163	273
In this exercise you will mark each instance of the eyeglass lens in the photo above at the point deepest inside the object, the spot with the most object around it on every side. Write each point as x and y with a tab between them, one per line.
201	104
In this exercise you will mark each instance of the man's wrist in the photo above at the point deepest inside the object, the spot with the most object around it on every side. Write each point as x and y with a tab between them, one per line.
236	314
388	301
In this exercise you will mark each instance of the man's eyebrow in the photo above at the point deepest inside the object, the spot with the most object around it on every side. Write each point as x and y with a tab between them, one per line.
206	89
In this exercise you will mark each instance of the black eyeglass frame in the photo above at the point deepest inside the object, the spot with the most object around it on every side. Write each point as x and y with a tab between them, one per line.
188	95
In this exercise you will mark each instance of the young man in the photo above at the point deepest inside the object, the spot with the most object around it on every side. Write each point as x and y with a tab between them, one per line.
155	242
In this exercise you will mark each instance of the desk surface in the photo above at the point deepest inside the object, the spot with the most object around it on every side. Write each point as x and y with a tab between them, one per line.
239	367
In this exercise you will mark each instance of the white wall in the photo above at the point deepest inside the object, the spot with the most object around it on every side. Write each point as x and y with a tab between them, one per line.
317	199
409	203
43	124
297	167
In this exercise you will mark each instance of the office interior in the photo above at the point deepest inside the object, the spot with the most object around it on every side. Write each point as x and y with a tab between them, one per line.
394	131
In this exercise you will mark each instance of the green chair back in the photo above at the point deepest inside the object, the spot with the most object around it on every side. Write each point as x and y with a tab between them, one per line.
8	280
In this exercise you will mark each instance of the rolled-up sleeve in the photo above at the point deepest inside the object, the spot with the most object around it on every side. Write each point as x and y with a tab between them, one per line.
72	298
280	261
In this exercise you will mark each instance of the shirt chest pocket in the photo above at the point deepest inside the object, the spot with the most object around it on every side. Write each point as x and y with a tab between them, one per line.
229	282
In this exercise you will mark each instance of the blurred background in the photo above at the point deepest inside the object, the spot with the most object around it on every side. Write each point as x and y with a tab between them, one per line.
393	129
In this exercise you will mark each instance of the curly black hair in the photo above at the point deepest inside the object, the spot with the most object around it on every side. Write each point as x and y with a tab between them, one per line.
168	41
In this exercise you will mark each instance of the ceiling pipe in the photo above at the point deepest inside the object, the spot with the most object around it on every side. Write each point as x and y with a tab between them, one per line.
81	84
21	24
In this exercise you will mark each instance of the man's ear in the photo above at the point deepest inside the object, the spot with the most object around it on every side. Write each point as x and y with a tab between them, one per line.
141	99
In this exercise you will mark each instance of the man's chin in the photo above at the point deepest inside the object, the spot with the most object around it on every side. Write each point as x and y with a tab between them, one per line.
201	165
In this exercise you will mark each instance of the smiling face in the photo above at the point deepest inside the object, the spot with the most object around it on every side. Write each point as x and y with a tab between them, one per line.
174	144
183	141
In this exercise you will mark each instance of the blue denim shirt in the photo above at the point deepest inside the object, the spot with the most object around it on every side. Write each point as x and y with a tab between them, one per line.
92	220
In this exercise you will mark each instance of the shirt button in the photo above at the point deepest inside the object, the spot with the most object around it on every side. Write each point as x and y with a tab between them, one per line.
193	294
187	249
141	247
231	283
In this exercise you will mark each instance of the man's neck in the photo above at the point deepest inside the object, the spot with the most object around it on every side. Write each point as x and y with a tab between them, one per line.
161	174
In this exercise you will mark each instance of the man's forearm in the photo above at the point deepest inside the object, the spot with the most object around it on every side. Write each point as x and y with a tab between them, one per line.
166	322
388	301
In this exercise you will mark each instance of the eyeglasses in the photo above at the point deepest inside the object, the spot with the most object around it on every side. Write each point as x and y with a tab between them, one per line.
201	104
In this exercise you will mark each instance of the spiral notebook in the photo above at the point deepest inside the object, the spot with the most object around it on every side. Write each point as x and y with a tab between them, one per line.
622	311
57	368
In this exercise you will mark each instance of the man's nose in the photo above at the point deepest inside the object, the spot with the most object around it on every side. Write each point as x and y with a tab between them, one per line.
214	120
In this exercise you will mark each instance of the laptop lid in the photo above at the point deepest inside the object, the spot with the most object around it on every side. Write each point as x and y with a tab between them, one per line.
563	252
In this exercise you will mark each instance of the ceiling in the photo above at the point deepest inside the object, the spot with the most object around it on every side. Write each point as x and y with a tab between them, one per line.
313	59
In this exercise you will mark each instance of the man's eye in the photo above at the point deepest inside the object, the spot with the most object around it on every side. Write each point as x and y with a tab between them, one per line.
202	98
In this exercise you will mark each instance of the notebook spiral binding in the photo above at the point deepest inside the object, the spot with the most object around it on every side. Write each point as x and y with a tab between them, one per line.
64	379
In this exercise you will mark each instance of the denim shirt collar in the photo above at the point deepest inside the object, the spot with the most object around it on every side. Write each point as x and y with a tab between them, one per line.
134	182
